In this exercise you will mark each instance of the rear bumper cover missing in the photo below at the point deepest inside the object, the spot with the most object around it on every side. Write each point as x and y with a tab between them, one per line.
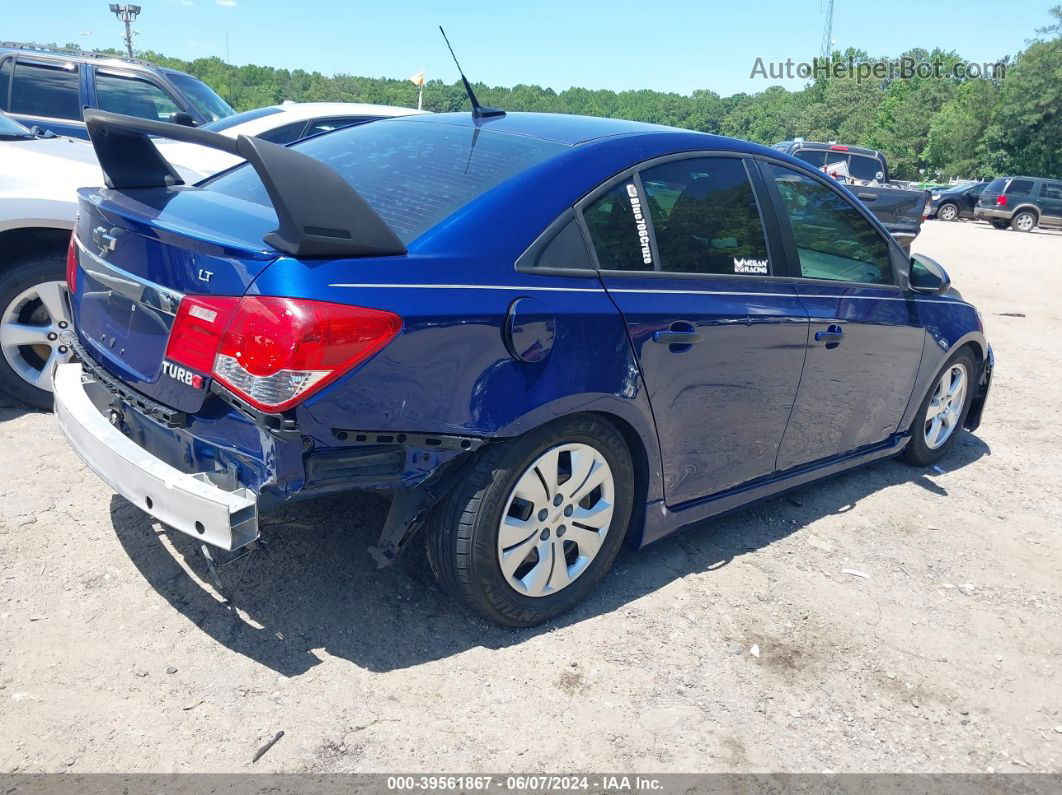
190	503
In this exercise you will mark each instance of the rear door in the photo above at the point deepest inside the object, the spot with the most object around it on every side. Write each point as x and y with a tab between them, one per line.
1051	203
683	253
46	93
865	341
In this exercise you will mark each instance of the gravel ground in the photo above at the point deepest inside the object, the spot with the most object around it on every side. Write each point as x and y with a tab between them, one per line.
740	645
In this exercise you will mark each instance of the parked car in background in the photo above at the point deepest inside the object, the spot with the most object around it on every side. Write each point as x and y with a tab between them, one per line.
39	176
50	88
1022	203
955	202
543	334
898	207
281	124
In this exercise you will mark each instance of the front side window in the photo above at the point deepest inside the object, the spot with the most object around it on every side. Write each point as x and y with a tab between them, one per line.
705	217
1049	191
833	239
47	90
133	96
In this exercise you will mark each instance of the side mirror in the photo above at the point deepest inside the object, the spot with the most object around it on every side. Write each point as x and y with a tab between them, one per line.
182	118
927	275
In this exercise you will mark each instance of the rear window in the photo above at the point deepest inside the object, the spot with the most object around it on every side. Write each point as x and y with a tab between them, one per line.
865	168
996	186
413	174
1018	186
240	118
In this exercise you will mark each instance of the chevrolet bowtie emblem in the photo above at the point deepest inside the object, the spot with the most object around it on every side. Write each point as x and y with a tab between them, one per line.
103	240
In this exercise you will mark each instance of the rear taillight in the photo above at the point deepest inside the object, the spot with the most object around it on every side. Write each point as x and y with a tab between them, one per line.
71	265
1001	200
274	352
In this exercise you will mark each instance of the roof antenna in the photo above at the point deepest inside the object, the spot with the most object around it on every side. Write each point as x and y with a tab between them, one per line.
478	111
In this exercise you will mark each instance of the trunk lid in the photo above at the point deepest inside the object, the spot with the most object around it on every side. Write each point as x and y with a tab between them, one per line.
139	252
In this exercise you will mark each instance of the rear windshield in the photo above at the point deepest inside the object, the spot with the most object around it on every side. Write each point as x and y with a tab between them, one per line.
240	118
996	185
414	174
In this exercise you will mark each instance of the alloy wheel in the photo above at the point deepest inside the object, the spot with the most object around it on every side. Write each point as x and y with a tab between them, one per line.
948	212
29	332
945	407
556	519
1024	222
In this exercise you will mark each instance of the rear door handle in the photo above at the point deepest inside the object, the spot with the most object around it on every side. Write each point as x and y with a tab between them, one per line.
832	336
677	337
868	197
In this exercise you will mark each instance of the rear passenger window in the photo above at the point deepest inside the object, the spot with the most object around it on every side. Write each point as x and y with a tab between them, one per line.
705	217
133	96
1048	191
834	240
864	168
1019	186
816	158
619	229
51	91
5	82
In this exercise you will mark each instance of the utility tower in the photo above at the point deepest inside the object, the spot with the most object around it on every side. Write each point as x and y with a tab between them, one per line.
126	14
827	33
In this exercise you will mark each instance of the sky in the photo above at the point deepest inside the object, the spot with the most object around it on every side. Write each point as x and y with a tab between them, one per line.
670	45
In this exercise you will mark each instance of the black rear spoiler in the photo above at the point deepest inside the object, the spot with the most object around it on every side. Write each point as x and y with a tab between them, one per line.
319	213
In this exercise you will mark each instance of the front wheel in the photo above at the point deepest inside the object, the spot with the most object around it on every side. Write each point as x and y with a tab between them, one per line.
536	523
935	429
948	212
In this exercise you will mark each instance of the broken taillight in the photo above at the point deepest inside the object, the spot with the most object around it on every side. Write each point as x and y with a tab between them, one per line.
274	352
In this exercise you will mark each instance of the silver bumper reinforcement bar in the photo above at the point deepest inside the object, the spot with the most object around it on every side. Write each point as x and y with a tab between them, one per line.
190	503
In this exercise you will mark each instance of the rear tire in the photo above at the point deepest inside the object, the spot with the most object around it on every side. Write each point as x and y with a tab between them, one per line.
1000	224
32	305
1024	221
948	212
480	550
940	413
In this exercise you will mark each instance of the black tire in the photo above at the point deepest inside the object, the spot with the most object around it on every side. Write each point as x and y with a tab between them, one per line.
1000	224
1022	218
945	208
918	452
462	535
14	280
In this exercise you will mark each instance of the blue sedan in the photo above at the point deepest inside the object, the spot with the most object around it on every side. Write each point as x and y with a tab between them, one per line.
543	335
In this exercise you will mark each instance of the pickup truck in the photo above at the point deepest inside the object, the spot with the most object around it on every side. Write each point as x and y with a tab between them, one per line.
866	173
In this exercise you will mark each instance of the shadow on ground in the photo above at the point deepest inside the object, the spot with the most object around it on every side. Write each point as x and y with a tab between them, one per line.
317	588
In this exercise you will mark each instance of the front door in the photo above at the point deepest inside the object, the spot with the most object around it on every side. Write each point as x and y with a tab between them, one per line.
719	339
865	340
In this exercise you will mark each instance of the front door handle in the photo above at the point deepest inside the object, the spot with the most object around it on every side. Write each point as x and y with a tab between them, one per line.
868	197
832	336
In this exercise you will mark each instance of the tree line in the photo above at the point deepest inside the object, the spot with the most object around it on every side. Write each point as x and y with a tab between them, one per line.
932	128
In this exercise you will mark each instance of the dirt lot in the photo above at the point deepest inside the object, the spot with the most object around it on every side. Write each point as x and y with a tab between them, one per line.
116	655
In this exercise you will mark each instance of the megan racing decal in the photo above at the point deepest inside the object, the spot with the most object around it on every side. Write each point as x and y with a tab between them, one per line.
749	265
178	373
640	225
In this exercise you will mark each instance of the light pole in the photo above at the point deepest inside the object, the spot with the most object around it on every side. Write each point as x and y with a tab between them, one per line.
126	13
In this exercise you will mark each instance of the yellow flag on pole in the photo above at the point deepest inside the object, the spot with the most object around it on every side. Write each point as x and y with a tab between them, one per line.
417	79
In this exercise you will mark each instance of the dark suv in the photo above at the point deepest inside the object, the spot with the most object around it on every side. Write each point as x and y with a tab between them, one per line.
1021	203
49	89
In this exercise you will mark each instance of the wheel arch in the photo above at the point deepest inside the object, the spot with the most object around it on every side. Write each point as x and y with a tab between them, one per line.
19	242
